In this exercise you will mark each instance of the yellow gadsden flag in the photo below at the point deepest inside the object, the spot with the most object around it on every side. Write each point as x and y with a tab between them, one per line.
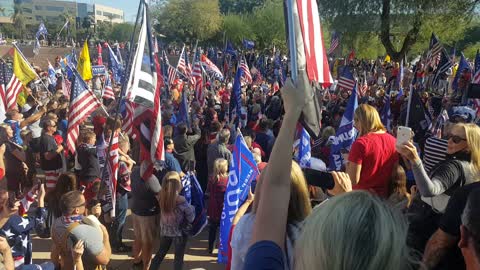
387	59
22	69
84	66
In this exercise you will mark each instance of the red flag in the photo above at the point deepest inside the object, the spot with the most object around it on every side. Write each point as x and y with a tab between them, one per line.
99	50
351	56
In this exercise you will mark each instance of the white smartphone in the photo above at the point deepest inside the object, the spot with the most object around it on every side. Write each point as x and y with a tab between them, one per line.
404	134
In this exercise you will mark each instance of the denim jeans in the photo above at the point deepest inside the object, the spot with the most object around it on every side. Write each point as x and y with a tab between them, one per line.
121	207
180	243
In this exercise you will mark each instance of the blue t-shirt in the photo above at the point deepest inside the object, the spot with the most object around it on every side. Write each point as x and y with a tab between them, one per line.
264	255
15	125
172	163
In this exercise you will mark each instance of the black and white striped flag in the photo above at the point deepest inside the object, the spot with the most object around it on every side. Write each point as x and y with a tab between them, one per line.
143	78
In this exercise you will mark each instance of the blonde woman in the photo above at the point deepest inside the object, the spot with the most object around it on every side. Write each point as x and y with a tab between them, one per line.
299	208
373	155
355	231
175	213
216	188
461	167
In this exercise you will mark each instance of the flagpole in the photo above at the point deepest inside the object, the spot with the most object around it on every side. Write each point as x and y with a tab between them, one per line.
291	40
29	65
408	105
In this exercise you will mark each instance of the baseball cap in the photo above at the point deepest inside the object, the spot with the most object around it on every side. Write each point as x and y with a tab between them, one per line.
463	112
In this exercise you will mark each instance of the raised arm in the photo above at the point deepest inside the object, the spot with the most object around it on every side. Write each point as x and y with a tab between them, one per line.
271	217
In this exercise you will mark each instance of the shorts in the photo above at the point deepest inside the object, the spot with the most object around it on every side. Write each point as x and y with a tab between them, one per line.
145	228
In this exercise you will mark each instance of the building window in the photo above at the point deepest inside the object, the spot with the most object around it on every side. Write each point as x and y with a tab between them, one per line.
53	8
99	12
39	18
38	7
27	10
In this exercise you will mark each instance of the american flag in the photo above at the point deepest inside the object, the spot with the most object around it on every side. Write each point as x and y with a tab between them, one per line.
346	79
108	89
441	121
182	65
362	89
246	71
82	103
172	75
334	42
110	175
66	86
315	55
10	86
211	68
197	75
443	66
476	75
188	70
434	50
127	124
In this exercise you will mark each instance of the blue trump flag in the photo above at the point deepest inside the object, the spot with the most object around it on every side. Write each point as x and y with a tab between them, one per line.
236	99
386	114
243	170
304	153
248	44
182	116
345	134
115	65
462	65
230	50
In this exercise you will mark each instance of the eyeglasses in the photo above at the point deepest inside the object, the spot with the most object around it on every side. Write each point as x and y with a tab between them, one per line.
456	139
83	204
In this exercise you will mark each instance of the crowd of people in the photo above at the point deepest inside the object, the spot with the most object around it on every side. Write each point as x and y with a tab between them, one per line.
390	206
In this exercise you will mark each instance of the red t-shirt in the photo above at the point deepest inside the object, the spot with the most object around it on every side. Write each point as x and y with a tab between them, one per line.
377	155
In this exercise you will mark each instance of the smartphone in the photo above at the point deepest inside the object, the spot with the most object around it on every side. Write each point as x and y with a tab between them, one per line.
404	134
82	188
320	179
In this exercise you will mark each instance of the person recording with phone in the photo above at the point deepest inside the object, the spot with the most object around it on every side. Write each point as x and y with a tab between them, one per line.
461	167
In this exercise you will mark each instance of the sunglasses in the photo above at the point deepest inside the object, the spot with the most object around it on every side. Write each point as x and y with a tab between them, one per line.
456	139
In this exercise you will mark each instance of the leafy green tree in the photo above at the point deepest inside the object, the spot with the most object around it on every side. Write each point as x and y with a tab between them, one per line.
121	32
400	24
239	7
19	20
237	27
269	25
187	20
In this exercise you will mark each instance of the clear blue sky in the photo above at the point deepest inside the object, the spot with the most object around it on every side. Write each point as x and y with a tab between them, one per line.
129	7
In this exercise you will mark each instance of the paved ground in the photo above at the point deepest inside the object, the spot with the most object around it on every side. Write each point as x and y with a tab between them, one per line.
196	256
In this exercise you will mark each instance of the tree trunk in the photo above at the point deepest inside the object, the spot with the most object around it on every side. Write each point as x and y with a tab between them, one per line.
410	38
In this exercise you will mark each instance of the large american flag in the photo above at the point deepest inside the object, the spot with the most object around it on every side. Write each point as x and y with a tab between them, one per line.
476	74
346	79
246	71
182	65
172	75
316	57
434	50
82	103
197	74
10	86
334	42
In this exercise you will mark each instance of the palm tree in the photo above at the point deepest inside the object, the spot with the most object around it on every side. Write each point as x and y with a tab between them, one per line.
19	19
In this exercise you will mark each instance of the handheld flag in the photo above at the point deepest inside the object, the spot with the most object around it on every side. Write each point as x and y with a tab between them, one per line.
346	79
243	170
345	134
10	87
442	67
108	89
236	99
52	77
115	65
248	44
99	52
476	76
303	155
42	31
82	103
211	68
22	69
462	65
386	114
110	176
334	43
84	66
197	73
